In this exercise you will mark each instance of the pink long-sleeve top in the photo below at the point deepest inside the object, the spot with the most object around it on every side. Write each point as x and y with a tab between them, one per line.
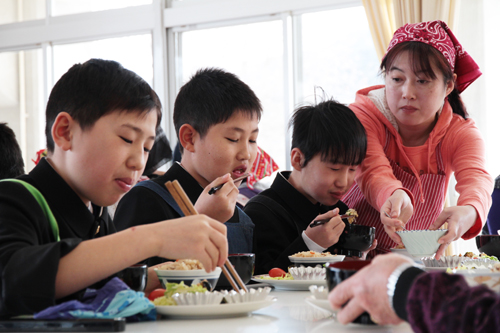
462	151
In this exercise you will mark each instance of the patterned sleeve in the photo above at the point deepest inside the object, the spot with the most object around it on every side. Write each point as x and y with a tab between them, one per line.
441	302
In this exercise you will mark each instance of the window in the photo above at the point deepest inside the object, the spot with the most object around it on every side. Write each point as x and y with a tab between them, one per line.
21	10
66	7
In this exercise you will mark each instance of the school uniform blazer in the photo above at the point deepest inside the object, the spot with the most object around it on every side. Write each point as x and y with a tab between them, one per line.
278	230
29	255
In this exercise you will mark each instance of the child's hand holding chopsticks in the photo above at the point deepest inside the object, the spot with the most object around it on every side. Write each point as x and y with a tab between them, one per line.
326	234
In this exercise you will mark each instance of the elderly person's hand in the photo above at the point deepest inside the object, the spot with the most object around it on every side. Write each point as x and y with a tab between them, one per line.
395	212
460	219
367	291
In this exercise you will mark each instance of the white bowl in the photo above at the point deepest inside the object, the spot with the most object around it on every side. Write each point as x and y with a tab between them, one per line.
190	277
421	243
206	298
307	273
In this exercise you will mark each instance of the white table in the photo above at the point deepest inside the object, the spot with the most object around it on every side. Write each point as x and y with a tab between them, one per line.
290	313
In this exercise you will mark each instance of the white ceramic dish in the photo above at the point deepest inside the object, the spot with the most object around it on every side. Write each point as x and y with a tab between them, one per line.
289	284
318	260
219	310
476	277
421	243
307	273
323	304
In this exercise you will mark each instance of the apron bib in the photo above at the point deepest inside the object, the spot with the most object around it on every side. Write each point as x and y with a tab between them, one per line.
424	213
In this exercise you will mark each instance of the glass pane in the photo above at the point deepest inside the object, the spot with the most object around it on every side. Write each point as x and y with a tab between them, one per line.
21	100
133	52
66	7
254	52
338	54
21	10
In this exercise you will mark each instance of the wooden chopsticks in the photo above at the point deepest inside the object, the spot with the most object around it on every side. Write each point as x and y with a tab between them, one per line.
187	208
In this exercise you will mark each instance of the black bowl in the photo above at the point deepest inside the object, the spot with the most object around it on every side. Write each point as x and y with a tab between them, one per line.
489	244
354	240
135	276
244	264
336	272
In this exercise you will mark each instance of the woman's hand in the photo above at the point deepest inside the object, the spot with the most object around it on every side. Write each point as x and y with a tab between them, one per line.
327	234
460	219
399	207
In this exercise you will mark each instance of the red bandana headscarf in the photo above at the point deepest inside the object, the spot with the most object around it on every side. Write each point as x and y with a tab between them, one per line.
263	166
438	35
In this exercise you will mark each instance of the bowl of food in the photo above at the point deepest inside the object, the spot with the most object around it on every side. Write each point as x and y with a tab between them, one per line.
489	244
313	258
189	271
355	239
337	272
244	264
421	243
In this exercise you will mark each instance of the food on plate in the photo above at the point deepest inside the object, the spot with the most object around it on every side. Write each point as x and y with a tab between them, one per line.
156	293
400	247
312	254
177	288
287	276
472	255
182	265
353	213
277	272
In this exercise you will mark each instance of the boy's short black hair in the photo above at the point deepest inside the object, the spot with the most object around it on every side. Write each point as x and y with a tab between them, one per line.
11	160
96	88
330	129
211	97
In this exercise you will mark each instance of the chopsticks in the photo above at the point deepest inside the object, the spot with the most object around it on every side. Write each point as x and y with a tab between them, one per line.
218	187
188	209
320	222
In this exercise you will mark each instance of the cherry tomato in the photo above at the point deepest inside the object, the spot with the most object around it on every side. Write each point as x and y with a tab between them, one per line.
277	272
156	293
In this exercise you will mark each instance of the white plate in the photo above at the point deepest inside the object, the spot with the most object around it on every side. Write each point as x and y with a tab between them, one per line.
289	284
219	310
323	304
319	260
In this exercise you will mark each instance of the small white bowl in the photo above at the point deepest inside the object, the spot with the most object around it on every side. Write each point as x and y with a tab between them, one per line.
421	243
253	295
206	298
320	292
307	273
190	277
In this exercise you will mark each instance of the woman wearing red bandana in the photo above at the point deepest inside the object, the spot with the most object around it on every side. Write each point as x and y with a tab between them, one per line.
419	133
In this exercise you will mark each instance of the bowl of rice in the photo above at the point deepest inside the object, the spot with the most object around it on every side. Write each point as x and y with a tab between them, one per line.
189	271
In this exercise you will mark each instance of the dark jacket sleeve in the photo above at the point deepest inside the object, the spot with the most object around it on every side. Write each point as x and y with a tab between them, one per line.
440	302
29	257
274	238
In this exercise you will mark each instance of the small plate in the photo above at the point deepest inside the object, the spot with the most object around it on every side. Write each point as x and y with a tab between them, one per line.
219	310
323	304
319	260
289	284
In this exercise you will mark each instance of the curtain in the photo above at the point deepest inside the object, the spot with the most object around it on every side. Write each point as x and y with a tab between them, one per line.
385	16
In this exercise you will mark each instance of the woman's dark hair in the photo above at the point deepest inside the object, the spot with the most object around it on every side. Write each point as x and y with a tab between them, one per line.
96	88
211	97
11	160
423	56
330	129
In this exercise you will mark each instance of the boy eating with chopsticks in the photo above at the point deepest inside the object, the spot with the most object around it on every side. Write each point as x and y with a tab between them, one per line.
216	118
56	238
328	144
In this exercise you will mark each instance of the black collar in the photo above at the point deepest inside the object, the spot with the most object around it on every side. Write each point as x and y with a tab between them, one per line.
66	205
297	203
192	188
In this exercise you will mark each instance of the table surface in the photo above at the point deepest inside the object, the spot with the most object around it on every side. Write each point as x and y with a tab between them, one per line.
289	313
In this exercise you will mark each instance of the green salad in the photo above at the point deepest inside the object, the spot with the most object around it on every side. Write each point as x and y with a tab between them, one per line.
177	288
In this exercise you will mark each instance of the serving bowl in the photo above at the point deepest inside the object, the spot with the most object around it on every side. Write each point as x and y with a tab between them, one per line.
354	240
421	243
190	277
244	264
336	272
489	244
